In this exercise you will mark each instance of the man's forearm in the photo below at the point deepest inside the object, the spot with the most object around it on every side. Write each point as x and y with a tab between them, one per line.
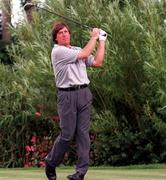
88	49
99	57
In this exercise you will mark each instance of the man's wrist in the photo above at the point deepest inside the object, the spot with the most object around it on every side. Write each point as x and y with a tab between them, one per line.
101	44
94	37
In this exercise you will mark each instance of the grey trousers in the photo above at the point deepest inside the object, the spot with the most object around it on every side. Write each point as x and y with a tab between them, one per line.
74	111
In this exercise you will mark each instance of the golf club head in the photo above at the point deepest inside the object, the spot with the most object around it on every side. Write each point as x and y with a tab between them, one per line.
28	6
38	6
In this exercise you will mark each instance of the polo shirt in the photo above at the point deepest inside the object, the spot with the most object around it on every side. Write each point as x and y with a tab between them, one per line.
68	69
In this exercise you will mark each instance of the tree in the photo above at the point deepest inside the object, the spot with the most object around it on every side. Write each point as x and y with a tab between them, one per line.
1	26
6	20
5	35
28	10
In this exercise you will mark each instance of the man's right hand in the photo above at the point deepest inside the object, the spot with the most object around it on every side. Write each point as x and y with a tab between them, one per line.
90	46
95	33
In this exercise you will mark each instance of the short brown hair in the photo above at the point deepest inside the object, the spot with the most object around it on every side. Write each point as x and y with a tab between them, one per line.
57	26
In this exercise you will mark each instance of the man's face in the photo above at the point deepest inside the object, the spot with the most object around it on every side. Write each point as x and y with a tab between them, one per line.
63	37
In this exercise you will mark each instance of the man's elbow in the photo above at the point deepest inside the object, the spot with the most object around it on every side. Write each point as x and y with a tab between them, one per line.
82	55
98	64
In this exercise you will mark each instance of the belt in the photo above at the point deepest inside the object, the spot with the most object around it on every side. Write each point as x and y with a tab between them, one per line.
73	88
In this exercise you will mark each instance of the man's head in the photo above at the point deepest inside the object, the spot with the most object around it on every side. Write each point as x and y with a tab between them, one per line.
61	34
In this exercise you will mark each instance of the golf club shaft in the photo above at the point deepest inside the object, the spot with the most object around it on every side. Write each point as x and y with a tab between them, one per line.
71	20
30	5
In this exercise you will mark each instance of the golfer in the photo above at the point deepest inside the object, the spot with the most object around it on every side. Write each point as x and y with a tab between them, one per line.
74	98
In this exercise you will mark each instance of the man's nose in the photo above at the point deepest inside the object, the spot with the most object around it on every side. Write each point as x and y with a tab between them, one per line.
64	33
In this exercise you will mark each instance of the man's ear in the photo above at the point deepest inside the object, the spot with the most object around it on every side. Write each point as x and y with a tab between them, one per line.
56	41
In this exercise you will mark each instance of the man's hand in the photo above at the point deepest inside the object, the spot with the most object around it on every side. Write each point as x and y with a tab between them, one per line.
102	35
95	33
90	46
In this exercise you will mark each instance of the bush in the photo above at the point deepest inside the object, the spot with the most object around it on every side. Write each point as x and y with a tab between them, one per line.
16	135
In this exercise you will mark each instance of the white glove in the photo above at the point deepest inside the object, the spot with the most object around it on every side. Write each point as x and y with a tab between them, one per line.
165	21
102	35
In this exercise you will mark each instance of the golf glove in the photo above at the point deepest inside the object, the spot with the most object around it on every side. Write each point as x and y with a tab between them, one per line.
102	35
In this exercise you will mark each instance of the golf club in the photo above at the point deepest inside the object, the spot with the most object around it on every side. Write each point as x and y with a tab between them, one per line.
28	6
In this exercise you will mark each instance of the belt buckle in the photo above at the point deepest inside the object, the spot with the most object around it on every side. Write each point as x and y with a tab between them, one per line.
79	86
76	86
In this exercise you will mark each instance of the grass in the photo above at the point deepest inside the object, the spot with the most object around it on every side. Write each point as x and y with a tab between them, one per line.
145	172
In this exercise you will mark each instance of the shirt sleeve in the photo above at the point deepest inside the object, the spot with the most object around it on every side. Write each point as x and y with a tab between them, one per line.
89	61
62	54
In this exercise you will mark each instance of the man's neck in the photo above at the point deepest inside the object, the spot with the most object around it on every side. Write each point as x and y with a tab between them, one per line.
68	46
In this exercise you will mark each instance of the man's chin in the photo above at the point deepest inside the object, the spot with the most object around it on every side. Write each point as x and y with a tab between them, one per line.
65	44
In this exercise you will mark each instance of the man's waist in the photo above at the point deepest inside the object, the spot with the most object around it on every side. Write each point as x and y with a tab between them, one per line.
73	87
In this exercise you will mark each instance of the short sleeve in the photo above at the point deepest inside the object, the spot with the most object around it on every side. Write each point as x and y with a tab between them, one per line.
62	54
89	61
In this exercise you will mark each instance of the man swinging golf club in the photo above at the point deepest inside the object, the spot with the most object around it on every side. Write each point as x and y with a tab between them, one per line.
74	97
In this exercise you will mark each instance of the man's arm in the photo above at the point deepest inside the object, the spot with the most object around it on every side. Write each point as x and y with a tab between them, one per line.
99	56
90	46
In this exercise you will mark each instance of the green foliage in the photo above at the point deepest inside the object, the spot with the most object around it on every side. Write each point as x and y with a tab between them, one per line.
26	87
131	86
17	133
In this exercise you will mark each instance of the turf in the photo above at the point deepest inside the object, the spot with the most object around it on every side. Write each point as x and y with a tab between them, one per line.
99	173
